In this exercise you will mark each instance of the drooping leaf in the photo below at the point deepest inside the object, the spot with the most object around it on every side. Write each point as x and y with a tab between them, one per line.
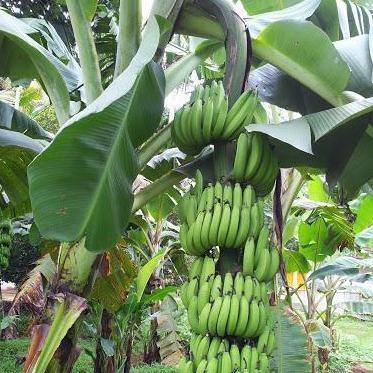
15	120
177	72
343	266
145	273
278	88
111	288
291	354
96	200
293	46
23	57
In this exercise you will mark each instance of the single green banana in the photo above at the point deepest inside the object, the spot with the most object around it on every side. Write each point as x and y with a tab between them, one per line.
224	225
236	115
203	319
237	195
202	201
220	120
226	364
242	151
196	268
252	324
239	282
233	315
257	179
202	366
261	270
208	112
185	126
193	313
248	288
255	220
255	156
263	363
243	227
217	288
192	289
243	318
214	348
196	122
206	93
189	241
214	314
212	365
184	294
235	358
274	264
263	292
183	236
248	257
198	188
228	284
218	192
188	367
203	296
257	293
206	225
208	269
203	348
223	316
233	227
197	93
254	360
210	197
215	223
245	358
248	198
263	340
228	194
197	243
262	319
271	342
194	342
218	99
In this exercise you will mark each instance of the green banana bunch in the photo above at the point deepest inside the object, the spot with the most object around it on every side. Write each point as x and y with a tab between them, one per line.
255	163
5	243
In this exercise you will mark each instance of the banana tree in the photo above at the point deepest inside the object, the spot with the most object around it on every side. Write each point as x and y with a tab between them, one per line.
80	185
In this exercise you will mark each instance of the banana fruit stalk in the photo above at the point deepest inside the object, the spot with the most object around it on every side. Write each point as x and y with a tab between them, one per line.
229	313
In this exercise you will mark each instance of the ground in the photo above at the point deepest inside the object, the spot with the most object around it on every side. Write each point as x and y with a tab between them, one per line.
355	354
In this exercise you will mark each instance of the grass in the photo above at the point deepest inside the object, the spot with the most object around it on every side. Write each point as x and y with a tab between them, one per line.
355	346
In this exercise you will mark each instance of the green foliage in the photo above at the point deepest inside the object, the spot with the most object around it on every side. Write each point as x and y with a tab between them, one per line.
355	345
47	118
155	368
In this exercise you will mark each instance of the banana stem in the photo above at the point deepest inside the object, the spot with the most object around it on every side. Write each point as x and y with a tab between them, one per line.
220	161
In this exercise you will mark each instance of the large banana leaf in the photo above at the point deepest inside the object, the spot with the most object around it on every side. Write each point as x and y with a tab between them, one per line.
291	353
16	152
344	266
299	11
278	88
81	185
22	57
259	6
305	53
332	135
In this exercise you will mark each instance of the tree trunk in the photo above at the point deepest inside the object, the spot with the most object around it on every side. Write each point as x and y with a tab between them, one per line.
127	365
104	363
